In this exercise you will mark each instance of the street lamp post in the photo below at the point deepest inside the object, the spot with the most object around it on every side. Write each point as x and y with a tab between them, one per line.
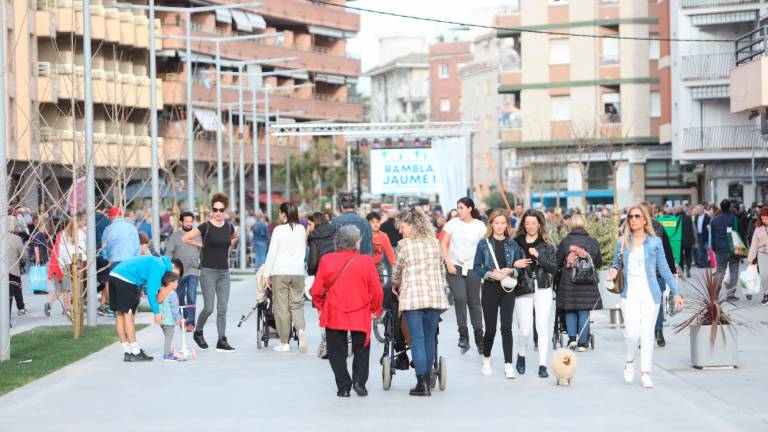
5	298
153	130
90	179
241	201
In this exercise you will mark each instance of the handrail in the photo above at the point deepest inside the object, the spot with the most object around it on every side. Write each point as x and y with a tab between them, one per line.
751	45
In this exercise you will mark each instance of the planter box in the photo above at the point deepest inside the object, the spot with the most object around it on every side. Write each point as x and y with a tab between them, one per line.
723	353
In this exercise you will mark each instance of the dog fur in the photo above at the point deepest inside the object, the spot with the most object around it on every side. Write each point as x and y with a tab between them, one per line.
564	366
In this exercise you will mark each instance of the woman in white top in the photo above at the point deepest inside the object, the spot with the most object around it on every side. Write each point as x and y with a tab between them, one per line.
642	255
285	269
459	243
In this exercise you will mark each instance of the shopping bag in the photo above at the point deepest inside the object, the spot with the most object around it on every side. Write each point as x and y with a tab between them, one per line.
38	278
712	260
735	244
749	281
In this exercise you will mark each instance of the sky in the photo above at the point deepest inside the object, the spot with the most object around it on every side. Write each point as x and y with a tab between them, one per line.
365	45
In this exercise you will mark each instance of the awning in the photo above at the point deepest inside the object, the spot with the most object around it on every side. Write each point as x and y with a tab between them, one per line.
223	16
208	120
330	79
302	75
242	22
326	31
257	22
351	80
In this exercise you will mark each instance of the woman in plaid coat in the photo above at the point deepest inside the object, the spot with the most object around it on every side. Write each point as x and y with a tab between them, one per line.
418	279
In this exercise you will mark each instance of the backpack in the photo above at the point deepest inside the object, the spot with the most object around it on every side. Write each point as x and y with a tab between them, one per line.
583	271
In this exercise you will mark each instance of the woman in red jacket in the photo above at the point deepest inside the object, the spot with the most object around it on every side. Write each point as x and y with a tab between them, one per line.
347	292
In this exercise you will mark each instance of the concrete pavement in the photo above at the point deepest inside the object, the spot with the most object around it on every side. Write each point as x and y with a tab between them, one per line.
263	390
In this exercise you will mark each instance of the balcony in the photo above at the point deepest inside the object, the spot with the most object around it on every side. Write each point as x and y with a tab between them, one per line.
708	66
685	4
312	106
749	80
721	139
308	57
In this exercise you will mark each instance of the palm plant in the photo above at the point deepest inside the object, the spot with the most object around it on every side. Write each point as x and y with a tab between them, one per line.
706	303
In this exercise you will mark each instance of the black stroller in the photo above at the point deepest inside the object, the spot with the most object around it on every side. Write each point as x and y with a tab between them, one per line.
394	347
266	328
560	334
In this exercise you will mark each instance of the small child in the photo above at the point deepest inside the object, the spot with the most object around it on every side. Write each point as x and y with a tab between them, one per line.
169	309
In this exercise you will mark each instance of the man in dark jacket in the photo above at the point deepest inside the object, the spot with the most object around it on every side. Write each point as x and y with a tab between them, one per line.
687	242
389	227
701	227
720	227
348	216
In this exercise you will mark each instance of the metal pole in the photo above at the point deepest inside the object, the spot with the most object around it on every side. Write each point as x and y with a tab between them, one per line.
288	173
349	168
242	237
358	161
255	149
153	129
90	179
268	144
754	184
190	120
5	310
219	144
231	142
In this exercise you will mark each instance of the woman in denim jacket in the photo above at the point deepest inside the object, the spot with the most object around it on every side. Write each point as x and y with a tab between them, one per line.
642	254
494	297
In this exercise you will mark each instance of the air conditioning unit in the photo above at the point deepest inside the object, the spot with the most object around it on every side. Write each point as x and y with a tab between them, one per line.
43	69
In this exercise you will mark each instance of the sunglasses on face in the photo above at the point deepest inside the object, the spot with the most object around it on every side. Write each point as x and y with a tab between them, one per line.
635	216
218	209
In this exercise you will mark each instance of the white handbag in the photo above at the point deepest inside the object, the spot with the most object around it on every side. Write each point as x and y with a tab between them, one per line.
509	283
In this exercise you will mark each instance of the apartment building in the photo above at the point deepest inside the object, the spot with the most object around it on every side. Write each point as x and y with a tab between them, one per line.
445	61
45	95
589	112
400	81
314	35
491	112
718	144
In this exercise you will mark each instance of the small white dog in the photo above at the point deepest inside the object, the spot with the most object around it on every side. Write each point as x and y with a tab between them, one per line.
564	366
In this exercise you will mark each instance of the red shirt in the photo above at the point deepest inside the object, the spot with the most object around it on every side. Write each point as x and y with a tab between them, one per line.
381	246
356	295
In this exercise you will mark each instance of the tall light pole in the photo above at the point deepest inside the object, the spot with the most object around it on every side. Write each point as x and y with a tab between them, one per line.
241	201
190	120
231	139
90	179
153	129
5	310
267	144
255	147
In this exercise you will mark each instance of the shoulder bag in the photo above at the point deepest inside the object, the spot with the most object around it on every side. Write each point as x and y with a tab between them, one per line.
509	283
338	275
583	271
618	281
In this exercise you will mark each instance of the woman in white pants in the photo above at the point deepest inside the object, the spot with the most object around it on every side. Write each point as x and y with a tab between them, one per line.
642	255
536	292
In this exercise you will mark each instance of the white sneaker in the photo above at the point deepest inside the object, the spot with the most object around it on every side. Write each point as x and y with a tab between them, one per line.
509	371
487	371
303	346
646	380
629	372
282	348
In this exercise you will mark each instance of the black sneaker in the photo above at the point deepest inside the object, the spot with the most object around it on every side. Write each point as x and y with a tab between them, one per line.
47	309
520	365
198	338
543	372
360	389
660	339
127	357
140	357
765	300
223	346
572	343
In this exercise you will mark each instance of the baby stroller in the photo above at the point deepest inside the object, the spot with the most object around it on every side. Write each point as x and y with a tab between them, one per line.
560	334
266	328
394	349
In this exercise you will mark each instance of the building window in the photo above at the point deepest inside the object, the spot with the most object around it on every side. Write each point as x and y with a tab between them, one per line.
445	105
610	51
561	108
442	70
664	173
404	107
655	104
599	175
653	48
612	107
559	51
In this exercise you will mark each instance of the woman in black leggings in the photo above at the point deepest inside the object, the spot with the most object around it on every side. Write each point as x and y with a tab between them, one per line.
497	257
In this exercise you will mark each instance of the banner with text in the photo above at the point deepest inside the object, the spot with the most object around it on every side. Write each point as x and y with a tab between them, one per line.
403	171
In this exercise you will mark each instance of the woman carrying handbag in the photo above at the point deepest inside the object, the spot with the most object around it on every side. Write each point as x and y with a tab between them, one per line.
495	252
758	251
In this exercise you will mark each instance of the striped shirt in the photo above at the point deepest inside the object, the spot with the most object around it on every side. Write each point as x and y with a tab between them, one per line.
420	273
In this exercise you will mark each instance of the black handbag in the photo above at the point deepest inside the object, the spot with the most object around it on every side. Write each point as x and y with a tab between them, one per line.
583	271
527	284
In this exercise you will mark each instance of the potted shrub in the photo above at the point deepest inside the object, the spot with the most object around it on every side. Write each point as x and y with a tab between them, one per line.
712	328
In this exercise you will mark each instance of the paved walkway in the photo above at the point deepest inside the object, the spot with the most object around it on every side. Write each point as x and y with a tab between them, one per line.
263	390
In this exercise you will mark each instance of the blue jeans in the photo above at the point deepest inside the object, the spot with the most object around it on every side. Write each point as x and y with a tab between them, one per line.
422	325
702	259
575	321
260	249
187	292
660	316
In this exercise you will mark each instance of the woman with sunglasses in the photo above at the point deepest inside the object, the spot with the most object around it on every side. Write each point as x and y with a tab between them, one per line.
217	235
642	255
